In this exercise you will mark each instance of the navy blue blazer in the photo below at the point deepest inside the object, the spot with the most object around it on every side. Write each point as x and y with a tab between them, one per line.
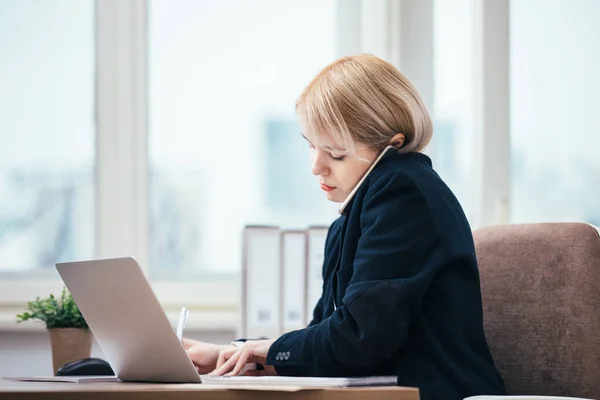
401	293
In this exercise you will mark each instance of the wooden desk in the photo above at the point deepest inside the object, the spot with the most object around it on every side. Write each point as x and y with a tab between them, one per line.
142	391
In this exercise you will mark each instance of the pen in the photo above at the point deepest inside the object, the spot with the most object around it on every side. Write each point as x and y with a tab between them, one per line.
183	317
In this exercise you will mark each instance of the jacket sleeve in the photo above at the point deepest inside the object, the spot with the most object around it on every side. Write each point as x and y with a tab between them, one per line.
317	312
395	262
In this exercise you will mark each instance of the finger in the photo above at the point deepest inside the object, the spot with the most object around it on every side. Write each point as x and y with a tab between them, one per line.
224	355
242	361
187	343
228	366
221	359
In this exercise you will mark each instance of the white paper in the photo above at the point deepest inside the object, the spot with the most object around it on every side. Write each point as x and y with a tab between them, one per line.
300	381
519	397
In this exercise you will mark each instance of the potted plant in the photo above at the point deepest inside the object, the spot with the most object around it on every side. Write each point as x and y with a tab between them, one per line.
70	336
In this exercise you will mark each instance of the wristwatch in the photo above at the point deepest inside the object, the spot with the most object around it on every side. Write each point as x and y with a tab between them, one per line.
238	343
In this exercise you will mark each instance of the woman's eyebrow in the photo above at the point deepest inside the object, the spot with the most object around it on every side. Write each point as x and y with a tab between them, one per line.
333	149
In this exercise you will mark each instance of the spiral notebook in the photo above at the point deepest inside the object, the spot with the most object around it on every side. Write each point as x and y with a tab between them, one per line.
301	381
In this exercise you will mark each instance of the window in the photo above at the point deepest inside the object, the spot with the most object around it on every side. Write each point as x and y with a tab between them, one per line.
47	139
554	111
225	145
191	132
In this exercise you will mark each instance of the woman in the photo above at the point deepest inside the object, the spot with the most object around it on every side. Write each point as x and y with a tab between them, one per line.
401	292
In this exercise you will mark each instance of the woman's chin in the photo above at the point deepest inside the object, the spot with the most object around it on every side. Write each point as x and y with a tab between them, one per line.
335	197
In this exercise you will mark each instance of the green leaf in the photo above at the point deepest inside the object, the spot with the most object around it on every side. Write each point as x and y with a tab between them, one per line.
55	312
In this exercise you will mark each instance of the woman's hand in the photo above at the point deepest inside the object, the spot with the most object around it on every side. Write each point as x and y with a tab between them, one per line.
204	355
231	361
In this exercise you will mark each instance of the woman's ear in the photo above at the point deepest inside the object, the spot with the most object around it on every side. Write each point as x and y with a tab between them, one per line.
398	140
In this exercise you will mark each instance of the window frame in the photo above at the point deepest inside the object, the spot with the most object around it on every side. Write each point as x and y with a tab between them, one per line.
491	139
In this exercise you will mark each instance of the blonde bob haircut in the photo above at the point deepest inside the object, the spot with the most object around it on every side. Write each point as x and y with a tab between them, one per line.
364	100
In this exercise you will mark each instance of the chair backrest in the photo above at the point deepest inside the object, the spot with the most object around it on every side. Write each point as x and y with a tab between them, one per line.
541	306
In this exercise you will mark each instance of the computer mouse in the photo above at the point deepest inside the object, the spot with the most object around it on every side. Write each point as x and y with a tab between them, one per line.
86	366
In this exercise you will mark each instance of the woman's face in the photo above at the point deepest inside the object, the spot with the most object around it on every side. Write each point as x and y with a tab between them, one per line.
338	171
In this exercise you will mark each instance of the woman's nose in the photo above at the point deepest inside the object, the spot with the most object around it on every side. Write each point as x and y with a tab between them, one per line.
319	165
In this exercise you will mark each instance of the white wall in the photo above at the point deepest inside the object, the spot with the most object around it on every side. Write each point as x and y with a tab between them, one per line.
28	353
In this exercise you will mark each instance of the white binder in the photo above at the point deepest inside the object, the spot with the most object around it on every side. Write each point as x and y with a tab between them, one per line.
261	282
316	236
293	267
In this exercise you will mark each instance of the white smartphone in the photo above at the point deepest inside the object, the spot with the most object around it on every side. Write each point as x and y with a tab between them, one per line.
353	192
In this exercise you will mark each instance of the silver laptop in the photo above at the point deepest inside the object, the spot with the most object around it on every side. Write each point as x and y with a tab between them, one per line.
127	320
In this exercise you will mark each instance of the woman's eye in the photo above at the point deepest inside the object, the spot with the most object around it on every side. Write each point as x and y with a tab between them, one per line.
338	158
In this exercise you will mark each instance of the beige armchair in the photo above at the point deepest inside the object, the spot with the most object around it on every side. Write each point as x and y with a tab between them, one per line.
541	306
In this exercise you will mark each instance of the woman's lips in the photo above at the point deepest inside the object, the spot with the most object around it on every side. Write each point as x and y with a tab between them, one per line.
327	188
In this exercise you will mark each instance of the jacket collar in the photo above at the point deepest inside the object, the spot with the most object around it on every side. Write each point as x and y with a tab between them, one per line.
387	153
